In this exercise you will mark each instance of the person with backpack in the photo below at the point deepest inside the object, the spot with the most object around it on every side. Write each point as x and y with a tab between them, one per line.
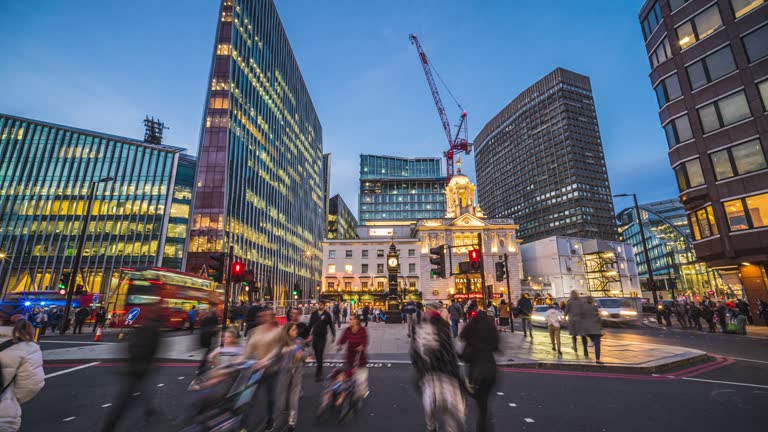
21	373
192	317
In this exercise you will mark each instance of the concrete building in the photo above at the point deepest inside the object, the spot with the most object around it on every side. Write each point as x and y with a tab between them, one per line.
600	268
259	186
540	161
709	70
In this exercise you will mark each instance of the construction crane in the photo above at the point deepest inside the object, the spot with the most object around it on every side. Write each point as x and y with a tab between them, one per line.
458	142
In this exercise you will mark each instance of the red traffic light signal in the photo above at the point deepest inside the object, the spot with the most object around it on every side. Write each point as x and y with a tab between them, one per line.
62	291
238	271
474	258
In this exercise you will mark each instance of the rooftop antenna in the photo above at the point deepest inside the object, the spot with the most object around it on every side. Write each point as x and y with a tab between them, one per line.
153	130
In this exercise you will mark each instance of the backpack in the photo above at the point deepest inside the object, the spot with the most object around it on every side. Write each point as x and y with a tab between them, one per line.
4	346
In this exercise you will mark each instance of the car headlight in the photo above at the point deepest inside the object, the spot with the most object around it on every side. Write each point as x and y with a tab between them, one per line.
537	318
628	313
604	313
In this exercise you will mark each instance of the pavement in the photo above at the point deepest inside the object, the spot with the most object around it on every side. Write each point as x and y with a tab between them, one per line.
753	331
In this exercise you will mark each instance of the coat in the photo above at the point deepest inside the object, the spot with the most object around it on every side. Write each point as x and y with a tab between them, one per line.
590	322
25	361
573	313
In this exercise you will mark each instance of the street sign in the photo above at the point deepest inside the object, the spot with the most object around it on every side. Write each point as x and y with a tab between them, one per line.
132	315
95	298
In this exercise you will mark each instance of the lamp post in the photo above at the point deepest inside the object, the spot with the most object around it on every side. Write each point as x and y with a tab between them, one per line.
648	263
79	254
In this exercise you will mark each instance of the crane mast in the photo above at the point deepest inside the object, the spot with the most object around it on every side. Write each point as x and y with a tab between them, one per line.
458	142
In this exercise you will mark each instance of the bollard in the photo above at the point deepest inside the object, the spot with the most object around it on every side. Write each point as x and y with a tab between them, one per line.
37	334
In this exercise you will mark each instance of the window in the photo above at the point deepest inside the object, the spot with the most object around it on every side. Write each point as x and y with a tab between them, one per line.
701	26
763	87
364	285
331	253
380	253
677	4
652	21
742	7
738	160
380	285
365	269
724	112
712	67
379	268
348	268
756	44
411	268
331	285
689	175
667	90
661	54
365	253
331	268
703	223
347	286
755	216
411	252
347	253
678	131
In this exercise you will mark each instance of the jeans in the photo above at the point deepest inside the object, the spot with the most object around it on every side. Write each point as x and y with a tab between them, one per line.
78	326
554	336
596	341
527	324
482	394
294	392
269	382
318	345
583	343
455	327
411	323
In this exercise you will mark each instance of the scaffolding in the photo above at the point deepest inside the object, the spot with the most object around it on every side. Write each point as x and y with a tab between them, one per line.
601	268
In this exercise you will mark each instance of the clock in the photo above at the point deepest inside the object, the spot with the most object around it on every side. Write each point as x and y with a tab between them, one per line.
392	262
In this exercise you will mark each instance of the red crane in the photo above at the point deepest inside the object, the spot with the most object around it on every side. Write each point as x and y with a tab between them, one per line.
458	142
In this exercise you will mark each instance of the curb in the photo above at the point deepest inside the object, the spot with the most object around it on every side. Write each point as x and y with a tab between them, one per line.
583	367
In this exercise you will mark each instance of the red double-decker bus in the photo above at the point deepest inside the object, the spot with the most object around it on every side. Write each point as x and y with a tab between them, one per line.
176	292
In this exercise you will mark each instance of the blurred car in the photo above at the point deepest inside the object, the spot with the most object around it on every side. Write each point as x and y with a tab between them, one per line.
537	317
616	310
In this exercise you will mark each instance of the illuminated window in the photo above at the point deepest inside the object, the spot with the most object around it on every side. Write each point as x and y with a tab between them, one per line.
347	286
364	285
330	285
689	175
742	7
701	26
703	223
331	268
348	268
755	216
224	49
380	285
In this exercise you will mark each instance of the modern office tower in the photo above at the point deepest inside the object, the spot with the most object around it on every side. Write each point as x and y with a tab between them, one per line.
259	185
341	223
709	70
400	189
540	161
46	173
178	225
326	187
670	246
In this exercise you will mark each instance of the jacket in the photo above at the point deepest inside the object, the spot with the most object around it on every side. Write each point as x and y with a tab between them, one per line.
525	306
573	313
590	322
24	361
456	311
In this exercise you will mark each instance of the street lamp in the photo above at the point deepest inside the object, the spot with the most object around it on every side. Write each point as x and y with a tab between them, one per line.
648	263
79	254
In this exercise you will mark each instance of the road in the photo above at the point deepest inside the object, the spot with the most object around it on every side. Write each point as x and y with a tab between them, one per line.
724	393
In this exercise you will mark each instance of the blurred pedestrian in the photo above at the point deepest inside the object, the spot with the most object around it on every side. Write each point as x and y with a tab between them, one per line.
722	316
679	309
419	311
143	344
490	309
54	317
505	316
252	317
410	316
743	308
456	312
695	314
99	319
525	308
81	315
265	344
553	318
21	373
344	312
208	331
437	374
666	313
741	324
573	312
591	325
336	311
481	342
295	353
355	337
763	310
319	323
192	318
366	313
230	351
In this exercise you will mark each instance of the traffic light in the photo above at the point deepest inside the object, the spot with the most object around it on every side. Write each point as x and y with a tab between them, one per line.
238	272
501	271
475	259
295	289
437	259
64	281
248	277
216	270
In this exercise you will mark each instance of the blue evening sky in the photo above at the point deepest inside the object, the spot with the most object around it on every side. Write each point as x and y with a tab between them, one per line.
104	65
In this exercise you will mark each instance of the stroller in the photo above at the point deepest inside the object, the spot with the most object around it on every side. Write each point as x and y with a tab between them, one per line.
344	393
223	393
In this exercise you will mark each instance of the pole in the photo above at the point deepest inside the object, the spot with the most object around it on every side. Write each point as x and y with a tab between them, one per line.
648	263
482	268
78	257
227	290
509	294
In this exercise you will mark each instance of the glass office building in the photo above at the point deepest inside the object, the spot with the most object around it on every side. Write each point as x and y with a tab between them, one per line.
259	185
394	188
341	223
670	246
178	224
45	174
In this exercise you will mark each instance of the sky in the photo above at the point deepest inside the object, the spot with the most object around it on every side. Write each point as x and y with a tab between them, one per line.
105	65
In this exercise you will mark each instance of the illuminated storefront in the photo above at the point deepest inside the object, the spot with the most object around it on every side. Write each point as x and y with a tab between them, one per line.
45	174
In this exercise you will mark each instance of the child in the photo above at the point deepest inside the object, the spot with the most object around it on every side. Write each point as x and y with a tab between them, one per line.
553	317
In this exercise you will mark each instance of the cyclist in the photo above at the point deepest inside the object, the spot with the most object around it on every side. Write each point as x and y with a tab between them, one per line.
355	337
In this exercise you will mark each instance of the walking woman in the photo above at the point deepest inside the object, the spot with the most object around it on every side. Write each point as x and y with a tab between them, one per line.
481	342
573	313
591	325
22	374
505	316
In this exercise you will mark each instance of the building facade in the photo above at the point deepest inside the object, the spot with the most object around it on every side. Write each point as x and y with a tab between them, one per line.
394	188
540	161
600	268
356	269
175	245
341	222
259	185
709	70
46	172
670	246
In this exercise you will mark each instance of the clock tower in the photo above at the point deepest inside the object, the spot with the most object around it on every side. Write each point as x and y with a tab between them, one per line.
393	268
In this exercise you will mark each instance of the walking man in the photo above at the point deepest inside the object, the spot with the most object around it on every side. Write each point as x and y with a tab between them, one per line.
336	314
455	311
192	315
319	323
410	311
526	309
81	315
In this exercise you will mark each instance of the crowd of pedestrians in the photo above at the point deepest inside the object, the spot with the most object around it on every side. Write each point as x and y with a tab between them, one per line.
729	316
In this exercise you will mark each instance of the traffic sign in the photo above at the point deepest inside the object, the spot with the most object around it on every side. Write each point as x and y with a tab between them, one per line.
132	315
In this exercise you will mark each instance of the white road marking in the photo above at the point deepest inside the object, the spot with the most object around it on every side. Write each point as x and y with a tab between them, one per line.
181	377
529	420
106	405
513	405
77	342
136	394
69	418
726	382
500	393
750	360
160	385
71	369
